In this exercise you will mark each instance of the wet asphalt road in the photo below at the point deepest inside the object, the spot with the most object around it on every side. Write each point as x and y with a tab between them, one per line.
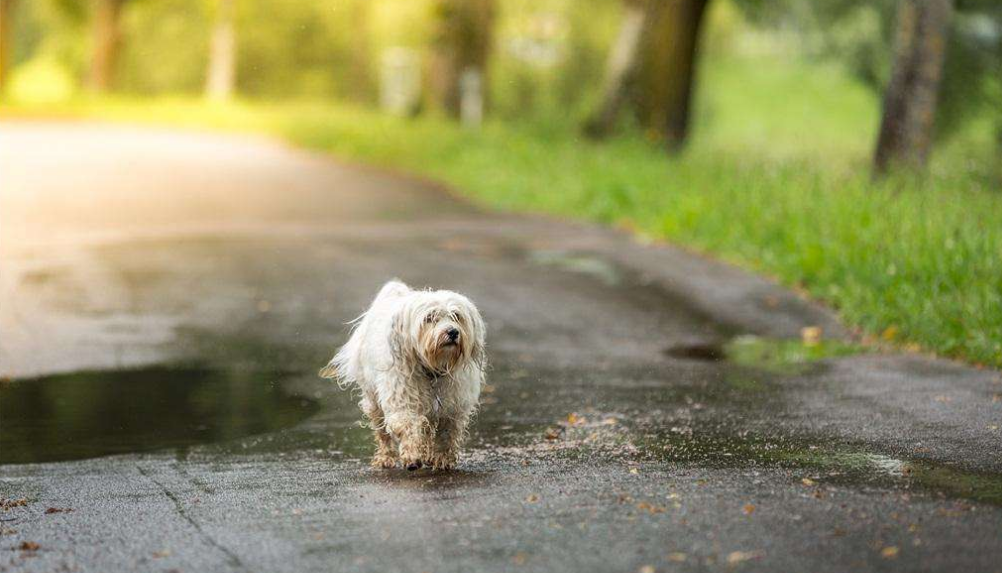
610	438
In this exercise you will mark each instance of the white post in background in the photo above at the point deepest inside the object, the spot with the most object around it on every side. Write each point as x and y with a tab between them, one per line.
400	81
471	97
222	72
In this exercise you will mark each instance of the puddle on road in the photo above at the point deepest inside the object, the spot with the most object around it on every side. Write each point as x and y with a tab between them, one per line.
578	263
778	356
823	461
91	414
720	416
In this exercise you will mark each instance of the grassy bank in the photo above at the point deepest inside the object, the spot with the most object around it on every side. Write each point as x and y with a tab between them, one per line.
780	187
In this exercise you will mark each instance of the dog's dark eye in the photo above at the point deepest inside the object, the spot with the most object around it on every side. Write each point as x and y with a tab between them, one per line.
428	319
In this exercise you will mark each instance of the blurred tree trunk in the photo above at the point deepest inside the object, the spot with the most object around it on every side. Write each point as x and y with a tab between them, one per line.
906	127
653	65
464	40
222	71
667	72
7	8
106	37
619	69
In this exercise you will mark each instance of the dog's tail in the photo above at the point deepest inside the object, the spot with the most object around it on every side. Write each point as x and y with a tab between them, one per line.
392	289
344	367
329	371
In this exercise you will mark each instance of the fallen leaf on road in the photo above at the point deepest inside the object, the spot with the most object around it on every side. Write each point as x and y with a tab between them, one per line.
634	471
677	557
161	554
736	557
890	552
533	498
811	335
29	546
650	508
552	434
748	509
646	569
6	504
58	510
808	482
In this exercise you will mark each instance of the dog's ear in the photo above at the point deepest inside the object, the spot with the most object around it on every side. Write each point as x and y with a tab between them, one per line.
478	350
403	348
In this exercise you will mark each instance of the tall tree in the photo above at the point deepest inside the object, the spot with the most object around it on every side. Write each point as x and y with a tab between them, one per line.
464	39
221	77
667	75
107	37
909	110
654	69
7	8
619	68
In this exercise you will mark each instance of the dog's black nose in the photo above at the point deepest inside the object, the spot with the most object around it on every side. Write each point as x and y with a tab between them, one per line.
453	333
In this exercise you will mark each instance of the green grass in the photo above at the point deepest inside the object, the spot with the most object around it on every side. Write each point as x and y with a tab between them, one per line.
776	180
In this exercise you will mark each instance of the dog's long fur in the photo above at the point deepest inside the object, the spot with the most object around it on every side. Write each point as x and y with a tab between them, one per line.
419	384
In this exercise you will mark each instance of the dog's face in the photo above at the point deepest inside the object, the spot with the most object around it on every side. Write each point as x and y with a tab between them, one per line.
441	330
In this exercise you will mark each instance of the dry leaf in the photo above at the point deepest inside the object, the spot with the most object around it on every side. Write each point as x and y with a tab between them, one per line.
646	569
6	504
29	546
811	335
736	557
533	498
808	482
748	509
677	557
890	552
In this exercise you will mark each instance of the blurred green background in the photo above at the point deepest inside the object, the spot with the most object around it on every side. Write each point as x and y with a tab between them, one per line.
758	145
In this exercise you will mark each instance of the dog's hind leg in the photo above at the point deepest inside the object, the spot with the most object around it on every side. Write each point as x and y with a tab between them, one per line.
449	439
386	451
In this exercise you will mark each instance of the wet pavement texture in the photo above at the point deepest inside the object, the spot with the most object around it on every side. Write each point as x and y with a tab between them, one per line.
170	296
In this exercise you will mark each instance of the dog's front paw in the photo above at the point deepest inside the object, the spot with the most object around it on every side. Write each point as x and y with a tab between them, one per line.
442	461
382	461
412	463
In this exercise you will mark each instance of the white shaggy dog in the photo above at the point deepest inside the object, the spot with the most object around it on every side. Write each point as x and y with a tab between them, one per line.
418	358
